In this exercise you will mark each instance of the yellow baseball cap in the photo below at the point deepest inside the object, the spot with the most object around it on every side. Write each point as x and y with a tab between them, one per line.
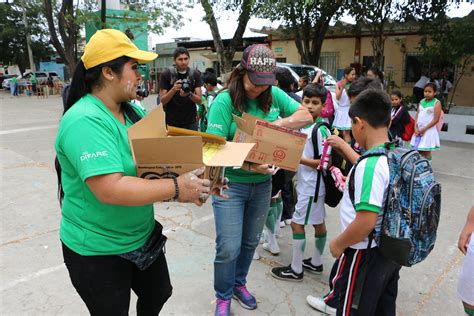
108	44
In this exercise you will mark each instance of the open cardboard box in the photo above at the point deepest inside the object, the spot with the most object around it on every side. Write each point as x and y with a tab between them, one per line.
274	145
158	155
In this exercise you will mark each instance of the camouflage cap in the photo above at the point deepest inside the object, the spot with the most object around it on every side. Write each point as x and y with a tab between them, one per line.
260	63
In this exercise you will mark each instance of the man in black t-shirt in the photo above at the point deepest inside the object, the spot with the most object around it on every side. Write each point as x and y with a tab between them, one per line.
180	91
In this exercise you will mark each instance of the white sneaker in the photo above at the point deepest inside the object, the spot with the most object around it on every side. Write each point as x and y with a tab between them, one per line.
256	256
282	224
288	221
319	304
273	250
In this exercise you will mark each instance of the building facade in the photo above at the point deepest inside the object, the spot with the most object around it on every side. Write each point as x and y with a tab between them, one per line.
402	62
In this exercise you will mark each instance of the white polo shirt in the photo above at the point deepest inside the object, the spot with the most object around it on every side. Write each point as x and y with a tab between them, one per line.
370	191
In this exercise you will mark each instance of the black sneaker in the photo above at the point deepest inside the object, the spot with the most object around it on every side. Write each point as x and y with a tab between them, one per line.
287	273
310	267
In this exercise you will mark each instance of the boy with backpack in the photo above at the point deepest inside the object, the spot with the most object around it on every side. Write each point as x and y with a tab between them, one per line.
309	209
389	216
370	115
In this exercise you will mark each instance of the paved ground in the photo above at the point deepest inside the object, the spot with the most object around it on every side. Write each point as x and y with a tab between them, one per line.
33	279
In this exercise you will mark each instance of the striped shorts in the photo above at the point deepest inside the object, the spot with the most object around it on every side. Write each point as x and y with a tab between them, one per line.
353	292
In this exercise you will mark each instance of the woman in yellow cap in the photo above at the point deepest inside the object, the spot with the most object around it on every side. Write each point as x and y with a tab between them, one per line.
111	241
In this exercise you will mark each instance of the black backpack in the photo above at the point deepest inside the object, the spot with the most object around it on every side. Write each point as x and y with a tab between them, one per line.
333	195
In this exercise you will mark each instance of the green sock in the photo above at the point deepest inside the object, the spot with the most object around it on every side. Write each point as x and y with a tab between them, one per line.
319	243
272	213
429	159
469	311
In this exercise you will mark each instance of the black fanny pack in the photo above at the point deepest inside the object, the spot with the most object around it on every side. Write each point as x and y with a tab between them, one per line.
144	256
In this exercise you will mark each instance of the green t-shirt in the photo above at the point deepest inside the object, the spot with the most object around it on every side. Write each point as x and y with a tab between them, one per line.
91	142
221	123
33	79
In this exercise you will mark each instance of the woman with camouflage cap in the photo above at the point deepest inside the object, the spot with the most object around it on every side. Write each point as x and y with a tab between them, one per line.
239	219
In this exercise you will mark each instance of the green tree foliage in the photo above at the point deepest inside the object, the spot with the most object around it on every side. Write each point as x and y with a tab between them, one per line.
450	41
13	49
378	16
65	19
246	8
306	20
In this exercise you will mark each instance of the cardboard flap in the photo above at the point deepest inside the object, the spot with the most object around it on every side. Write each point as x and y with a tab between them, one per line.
250	119
278	135
152	125
168	150
244	125
231	155
206	137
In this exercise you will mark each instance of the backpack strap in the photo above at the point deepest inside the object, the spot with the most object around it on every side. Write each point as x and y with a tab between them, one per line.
314	137
173	74
363	272
317	155
377	152
191	78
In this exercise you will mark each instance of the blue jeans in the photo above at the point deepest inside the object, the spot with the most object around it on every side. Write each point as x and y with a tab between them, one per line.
239	223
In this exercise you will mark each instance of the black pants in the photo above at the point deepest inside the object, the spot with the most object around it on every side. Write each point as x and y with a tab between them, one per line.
419	94
378	290
287	196
282	180
104	283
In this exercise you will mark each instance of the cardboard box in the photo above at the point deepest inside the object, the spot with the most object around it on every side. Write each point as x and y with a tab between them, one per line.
275	145
158	155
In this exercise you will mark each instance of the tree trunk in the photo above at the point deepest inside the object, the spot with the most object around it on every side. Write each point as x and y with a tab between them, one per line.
297	33
378	50
308	38
225	55
68	31
317	42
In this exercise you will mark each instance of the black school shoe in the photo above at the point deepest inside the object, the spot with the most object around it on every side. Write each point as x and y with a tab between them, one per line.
287	274
310	267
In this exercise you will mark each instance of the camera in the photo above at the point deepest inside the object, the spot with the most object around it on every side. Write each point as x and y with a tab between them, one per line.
185	86
142	92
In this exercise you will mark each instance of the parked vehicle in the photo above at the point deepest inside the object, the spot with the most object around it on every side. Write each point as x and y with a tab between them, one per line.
4	77
310	71
41	77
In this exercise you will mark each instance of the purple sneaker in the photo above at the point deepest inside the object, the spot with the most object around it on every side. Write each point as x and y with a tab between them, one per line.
244	297
222	307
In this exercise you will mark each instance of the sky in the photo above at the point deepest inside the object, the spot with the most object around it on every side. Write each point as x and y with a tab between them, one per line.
196	28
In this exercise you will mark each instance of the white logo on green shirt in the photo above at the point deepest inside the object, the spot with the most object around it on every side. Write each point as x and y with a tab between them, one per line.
86	155
216	126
